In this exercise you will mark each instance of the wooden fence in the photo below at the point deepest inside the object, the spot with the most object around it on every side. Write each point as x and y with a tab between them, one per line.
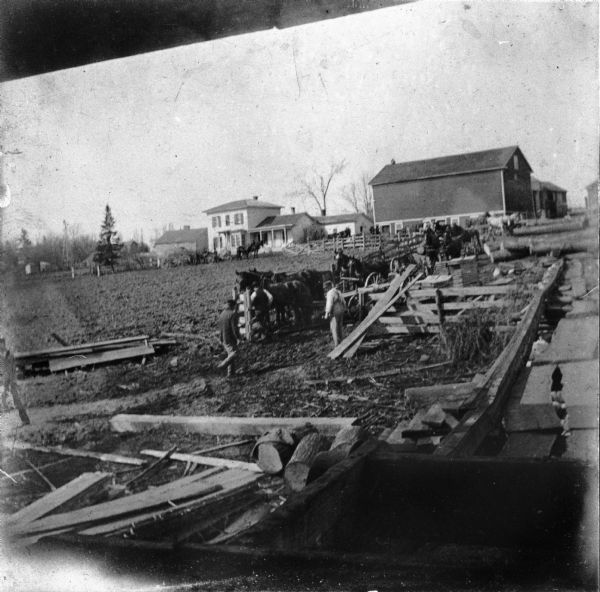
360	242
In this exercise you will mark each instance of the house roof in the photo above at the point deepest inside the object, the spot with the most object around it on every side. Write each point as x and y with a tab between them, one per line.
457	164
536	184
188	235
241	204
286	220
340	218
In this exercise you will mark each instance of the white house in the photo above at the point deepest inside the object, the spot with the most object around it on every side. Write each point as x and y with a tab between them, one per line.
230	223
358	223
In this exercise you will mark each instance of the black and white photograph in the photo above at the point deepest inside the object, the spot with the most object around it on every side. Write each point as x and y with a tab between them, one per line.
299	295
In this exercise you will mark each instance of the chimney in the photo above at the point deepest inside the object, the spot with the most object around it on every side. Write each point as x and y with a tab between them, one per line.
186	227
323	212
293	209
393	161
255	197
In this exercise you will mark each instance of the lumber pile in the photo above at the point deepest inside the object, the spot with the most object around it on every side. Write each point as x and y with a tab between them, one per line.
463	271
69	357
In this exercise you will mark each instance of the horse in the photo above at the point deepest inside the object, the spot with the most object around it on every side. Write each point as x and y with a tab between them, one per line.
288	295
311	277
348	266
503	224
253	247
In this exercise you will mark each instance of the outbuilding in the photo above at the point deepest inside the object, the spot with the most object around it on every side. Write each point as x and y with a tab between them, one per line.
550	200
452	188
277	231
357	223
194	240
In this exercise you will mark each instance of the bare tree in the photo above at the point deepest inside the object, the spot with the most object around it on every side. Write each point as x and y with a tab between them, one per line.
359	195
317	185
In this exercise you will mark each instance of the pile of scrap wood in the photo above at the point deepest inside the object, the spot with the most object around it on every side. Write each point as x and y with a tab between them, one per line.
427	308
88	354
203	504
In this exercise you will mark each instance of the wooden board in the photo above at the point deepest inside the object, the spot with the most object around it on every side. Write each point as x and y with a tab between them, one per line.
102	456
528	445
82	486
465	305
393	293
56	365
574	339
209	461
180	489
469	291
227	426
448	395
583	417
71	349
580	380
406	329
530	418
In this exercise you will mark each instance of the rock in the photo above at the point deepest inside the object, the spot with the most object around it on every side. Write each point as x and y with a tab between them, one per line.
173	362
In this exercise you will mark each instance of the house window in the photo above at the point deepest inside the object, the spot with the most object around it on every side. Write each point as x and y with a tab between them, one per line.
227	220
216	222
516	162
238	218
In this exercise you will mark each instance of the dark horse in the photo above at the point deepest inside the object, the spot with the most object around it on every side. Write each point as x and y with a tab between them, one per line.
292	295
348	266
252	248
311	277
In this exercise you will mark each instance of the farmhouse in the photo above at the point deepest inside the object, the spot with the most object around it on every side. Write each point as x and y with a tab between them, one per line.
277	231
358	223
550	200
230	223
452	188
189	239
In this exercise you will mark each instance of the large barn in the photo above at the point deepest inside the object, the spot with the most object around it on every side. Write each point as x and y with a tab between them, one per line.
452	188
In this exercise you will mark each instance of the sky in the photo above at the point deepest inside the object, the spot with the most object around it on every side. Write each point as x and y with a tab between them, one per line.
162	136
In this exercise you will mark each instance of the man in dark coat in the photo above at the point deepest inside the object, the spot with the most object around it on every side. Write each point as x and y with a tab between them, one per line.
228	332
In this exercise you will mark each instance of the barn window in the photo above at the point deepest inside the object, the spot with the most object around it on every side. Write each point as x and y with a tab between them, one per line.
515	161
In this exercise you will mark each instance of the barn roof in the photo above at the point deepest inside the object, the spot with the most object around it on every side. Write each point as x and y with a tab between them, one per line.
472	162
286	220
241	204
340	218
536	185
186	235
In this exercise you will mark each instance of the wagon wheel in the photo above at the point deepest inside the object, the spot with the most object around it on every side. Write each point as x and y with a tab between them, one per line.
353	308
372	279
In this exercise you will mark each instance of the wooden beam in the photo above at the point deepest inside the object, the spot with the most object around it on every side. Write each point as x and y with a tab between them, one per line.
470	291
209	461
103	456
84	485
79	361
72	349
226	426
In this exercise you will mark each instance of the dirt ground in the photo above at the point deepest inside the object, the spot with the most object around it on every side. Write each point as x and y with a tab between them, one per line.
73	409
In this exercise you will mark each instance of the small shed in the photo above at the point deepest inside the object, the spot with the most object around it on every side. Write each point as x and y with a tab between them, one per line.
357	223
194	240
550	200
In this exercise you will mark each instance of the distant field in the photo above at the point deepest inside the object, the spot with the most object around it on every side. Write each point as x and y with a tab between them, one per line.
90	308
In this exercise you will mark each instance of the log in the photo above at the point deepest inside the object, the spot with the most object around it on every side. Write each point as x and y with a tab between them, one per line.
297	470
103	357
274	449
226	426
435	416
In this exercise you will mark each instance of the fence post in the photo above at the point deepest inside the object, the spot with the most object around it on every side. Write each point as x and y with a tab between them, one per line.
247	315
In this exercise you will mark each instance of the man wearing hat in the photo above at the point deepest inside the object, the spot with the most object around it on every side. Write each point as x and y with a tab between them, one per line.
334	310
228	332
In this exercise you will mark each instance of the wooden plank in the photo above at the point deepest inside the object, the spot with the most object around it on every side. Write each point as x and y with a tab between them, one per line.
393	293
468	291
528	445
466	304
102	456
56	365
354	348
242	523
62	351
580	380
532	418
409	329
162	496
225	481
583	417
209	461
227	426
574	339
84	485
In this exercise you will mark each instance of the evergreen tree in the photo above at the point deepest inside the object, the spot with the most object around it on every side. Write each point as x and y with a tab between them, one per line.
109	246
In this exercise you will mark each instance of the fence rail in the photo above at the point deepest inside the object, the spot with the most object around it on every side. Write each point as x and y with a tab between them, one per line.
359	242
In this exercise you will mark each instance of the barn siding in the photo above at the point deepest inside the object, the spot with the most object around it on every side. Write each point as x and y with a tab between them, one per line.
461	194
517	188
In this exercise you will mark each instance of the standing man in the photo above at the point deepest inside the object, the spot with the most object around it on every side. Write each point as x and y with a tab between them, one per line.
8	369
228	332
334	310
261	300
